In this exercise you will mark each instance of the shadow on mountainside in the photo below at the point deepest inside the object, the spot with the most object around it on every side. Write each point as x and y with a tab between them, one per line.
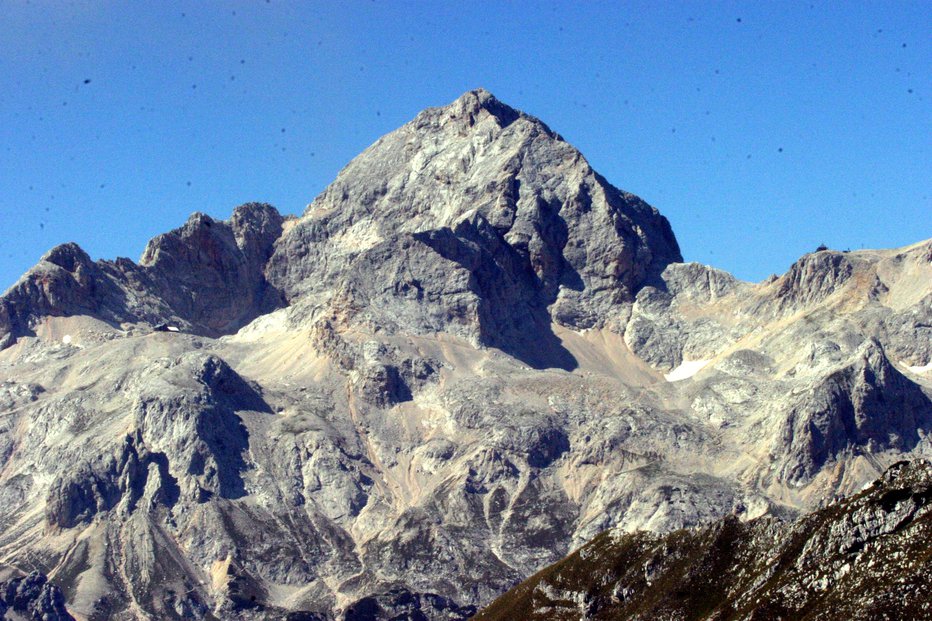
534	343
512	300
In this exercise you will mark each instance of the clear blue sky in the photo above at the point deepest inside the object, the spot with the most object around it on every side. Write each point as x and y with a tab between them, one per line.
759	129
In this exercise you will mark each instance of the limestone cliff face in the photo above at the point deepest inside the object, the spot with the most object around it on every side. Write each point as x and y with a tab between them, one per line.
470	355
866	405
212	273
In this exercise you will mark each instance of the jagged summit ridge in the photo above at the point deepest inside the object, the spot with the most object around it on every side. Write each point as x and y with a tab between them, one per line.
473	219
206	276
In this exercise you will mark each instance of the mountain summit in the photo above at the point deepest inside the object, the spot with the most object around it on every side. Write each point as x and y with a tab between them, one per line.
477	216
478	178
468	356
477	220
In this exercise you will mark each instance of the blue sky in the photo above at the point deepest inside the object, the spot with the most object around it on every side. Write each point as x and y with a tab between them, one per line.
759	129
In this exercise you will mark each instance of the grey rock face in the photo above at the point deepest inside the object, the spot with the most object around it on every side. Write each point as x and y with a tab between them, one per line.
813	278
467	358
660	334
865	406
186	409
206	276
196	422
467	219
102	484
65	282
402	604
212	273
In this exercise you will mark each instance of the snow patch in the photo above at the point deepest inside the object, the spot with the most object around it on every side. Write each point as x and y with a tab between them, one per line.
687	369
922	369
66	339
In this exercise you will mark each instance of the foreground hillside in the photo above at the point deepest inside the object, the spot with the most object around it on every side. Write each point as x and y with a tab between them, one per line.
864	557
467	357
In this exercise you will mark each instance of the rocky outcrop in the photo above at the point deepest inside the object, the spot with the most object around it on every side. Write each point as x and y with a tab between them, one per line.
866	557
207	276
866	406
399	603
661	334
212	273
65	282
190	415
188	442
34	598
121	479
813	278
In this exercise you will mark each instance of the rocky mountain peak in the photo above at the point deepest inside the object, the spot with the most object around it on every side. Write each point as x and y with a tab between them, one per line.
470	105
813	277
206	276
258	223
253	226
474	213
520	223
67	256
468	356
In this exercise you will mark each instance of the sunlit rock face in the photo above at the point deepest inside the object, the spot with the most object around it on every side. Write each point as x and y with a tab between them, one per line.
477	220
469	356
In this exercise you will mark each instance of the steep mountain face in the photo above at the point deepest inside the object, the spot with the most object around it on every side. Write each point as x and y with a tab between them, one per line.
470	355
864	557
865	405
472	220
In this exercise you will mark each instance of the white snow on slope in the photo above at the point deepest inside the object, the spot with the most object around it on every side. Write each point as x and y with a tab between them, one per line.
687	369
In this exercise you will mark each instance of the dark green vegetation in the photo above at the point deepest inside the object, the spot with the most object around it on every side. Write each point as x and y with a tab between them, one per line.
865	557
